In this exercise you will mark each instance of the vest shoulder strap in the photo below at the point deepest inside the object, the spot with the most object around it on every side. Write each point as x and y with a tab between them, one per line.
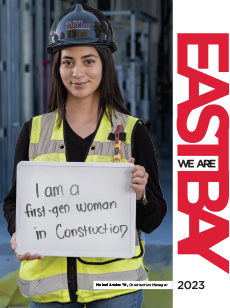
46	137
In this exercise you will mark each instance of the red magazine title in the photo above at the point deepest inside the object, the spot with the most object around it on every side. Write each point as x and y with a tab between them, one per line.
204	209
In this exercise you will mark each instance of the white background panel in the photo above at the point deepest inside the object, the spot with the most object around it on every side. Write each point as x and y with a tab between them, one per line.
193	16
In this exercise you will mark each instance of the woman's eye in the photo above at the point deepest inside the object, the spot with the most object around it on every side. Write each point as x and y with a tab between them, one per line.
67	63
89	61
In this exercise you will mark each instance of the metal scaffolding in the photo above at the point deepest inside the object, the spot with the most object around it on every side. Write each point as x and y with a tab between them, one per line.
22	74
133	69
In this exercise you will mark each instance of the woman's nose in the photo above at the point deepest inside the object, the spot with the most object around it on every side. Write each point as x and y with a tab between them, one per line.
78	71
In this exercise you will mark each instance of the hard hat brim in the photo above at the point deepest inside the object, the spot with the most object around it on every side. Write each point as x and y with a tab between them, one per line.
65	43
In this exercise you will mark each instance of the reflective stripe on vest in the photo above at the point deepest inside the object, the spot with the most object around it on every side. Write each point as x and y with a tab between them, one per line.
85	281
46	280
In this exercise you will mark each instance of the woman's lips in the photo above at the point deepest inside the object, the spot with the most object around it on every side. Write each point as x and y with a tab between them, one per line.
78	84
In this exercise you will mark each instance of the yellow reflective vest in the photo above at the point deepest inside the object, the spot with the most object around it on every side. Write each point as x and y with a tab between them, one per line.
61	279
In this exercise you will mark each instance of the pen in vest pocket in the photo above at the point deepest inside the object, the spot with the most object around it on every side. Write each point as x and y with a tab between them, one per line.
117	150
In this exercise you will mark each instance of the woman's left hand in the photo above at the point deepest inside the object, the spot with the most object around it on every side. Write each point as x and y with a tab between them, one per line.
139	179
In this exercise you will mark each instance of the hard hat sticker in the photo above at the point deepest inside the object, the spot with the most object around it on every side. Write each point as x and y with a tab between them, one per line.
77	24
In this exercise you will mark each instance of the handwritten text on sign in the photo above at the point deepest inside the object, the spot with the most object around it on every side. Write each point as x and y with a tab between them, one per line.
75	209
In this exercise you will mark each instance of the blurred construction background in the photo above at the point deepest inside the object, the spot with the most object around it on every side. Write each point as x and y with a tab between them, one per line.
143	32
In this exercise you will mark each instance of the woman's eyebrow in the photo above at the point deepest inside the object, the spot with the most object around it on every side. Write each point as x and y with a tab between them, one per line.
83	57
66	57
89	55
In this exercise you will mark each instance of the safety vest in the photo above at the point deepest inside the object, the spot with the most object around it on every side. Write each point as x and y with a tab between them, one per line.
54	279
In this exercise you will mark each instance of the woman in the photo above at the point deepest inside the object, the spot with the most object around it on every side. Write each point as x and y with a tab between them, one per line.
85	111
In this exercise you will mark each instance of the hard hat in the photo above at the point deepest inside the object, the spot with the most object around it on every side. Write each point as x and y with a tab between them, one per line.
81	24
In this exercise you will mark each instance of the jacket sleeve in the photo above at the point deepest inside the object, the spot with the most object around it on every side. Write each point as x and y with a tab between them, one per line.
21	153
149	216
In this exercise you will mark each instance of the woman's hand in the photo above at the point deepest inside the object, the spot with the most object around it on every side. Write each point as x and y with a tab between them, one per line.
139	179
27	256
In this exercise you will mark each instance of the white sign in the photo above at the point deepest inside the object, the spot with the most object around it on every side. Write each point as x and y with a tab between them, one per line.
75	209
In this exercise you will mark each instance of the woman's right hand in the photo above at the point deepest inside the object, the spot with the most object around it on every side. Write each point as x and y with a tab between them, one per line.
27	256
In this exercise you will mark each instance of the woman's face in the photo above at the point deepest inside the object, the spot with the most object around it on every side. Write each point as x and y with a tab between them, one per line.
81	71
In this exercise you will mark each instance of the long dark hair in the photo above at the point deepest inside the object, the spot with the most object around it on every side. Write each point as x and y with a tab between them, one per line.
110	94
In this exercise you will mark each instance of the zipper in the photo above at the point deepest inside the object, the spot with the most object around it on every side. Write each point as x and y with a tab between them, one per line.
72	278
71	261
